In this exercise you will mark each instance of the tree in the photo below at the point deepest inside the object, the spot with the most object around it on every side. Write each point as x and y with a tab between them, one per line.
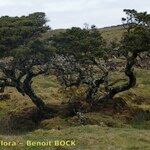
135	41
79	53
23	55
83	57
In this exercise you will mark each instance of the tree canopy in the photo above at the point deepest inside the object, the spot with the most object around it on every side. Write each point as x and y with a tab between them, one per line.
16	31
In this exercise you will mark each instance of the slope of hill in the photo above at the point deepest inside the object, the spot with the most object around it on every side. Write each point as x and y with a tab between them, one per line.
113	33
109	33
123	130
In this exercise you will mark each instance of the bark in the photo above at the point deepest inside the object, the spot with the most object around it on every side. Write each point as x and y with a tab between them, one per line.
112	91
96	84
131	77
30	92
93	89
24	88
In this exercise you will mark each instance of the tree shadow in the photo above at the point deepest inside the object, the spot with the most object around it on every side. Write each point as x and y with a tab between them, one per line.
24	121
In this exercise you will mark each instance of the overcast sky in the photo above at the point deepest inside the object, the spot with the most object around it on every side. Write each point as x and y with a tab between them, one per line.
68	13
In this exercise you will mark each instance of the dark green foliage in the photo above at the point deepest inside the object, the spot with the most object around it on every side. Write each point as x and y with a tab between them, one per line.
16	31
80	43
137	37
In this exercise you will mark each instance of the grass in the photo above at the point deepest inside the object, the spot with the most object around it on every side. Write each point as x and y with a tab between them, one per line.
139	96
142	125
89	137
102	131
112	33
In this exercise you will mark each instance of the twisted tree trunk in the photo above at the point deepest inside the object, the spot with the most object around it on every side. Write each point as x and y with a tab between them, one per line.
131	77
93	89
112	91
30	92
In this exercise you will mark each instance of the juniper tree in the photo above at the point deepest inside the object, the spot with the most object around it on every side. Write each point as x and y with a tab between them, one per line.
83	57
23	55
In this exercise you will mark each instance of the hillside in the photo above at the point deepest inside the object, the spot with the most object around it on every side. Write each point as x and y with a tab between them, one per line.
111	33
128	129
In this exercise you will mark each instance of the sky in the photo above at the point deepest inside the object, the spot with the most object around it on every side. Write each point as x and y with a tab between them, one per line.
69	13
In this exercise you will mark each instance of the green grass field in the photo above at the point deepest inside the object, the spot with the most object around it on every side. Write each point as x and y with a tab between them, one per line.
89	137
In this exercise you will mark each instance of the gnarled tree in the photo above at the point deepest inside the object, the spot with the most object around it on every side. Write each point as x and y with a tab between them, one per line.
23	55
83	58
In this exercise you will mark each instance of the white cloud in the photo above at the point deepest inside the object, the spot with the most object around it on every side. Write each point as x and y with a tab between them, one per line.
67	13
